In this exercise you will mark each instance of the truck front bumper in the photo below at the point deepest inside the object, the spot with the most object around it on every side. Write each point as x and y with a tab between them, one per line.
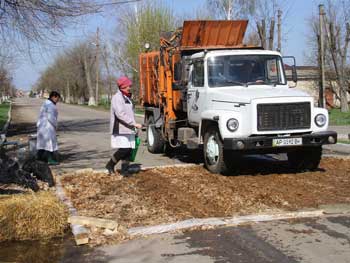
273	142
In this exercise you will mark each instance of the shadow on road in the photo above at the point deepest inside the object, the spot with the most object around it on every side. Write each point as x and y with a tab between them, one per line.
71	157
21	129
84	125
245	165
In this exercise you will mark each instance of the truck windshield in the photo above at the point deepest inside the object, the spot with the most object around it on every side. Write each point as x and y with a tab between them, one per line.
245	70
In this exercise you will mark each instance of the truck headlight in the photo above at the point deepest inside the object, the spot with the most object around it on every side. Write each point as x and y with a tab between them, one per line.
232	125
320	120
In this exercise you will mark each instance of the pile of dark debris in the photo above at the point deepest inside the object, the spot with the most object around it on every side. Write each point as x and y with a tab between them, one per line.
25	174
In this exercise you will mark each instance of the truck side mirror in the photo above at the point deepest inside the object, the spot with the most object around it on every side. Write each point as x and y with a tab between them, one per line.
292	67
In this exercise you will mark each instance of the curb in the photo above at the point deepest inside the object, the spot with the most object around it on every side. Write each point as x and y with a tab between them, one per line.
339	148
211	222
336	209
343	136
336	155
81	234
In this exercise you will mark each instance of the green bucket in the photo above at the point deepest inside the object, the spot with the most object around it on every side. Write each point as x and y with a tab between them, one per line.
134	150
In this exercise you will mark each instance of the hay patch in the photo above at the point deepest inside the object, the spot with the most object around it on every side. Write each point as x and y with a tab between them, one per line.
32	216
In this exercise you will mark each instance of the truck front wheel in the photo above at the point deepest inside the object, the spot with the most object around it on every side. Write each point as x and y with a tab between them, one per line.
155	142
305	159
214	151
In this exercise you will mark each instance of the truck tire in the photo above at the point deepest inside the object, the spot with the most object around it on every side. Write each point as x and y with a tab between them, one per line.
155	142
213	150
305	159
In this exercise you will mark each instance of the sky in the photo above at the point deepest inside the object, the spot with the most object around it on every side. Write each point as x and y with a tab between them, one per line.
295	30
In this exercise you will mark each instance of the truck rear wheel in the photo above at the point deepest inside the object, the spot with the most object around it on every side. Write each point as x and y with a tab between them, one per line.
155	142
305	159
214	151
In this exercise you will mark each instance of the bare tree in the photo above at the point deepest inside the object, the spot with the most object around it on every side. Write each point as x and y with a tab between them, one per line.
231	9
6	64
105	56
336	28
263	12
26	23
137	26
338	38
72	73
37	21
6	87
267	13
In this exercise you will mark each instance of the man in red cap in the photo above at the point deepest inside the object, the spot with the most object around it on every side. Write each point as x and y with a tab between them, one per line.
122	126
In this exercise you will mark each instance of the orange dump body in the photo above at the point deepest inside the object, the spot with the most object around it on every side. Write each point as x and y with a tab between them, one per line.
149	77
213	34
157	68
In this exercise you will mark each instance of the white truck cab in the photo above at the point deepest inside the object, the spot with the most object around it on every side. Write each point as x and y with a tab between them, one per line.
239	101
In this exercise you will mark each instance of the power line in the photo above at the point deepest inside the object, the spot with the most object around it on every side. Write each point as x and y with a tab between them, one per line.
117	3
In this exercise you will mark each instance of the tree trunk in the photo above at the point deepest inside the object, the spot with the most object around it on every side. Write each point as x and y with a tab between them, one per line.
262	33
272	34
68	97
105	59
344	106
92	101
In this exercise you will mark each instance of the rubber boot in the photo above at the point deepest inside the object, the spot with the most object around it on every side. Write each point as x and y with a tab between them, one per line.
110	166
51	160
124	171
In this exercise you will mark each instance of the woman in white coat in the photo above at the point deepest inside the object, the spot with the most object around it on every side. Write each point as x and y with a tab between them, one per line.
46	133
122	126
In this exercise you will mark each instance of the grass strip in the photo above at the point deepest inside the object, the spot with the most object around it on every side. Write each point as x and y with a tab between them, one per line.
4	108
337	117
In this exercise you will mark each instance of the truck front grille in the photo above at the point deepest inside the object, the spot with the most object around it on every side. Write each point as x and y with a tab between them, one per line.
286	116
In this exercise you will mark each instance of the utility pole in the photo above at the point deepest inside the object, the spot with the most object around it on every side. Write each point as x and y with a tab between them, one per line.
279	31
272	32
105	59
321	101
97	63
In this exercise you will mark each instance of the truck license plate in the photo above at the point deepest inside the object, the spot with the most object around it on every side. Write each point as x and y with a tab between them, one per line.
287	142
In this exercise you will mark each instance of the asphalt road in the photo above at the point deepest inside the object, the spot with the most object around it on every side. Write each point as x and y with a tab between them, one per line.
84	142
83	135
313	240
318	240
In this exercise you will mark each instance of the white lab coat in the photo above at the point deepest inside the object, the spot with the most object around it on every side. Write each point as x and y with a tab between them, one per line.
47	125
122	122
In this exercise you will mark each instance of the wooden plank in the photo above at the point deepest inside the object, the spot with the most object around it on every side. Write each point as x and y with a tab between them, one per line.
81	234
93	221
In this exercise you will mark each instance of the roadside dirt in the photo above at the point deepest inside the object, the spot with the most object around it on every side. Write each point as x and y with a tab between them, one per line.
166	195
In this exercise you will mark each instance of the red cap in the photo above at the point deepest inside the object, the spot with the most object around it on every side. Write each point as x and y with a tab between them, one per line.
124	82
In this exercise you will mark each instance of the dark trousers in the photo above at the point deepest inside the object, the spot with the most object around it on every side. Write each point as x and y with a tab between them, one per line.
122	154
43	155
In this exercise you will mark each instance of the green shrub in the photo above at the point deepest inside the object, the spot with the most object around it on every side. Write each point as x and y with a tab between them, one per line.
337	117
4	108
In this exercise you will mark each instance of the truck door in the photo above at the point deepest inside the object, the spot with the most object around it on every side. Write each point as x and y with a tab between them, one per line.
195	94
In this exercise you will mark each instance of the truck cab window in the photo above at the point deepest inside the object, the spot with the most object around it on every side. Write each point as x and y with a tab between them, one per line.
198	74
241	70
